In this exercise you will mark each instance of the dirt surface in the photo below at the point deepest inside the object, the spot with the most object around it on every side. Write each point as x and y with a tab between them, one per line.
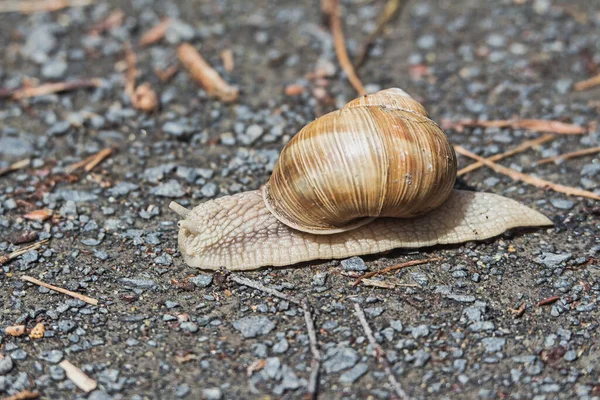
448	328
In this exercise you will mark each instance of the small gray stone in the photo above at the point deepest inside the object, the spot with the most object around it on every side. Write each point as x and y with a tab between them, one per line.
552	260
254	326
6	365
171	189
420	331
281	347
462	298
189	326
354	264
272	366
99	395
373	312
397	325
66	325
319	279
212	393
209	190
52	356
202	280
138	283
562	204
420	277
340	358
493	344
122	189
182	390
54	69
571	355
164	259
354	374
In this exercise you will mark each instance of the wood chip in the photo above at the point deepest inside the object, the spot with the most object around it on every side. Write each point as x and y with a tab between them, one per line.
520	148
38	331
79	296
32	6
565	156
144	98
395	268
205	75
15	330
548	301
78	377
15	166
113	20
49	88
255	366
156	33
534	125
517	313
294	90
89	163
38	215
519	176
23	395
379	284
588	83
228	61
331	8
17	253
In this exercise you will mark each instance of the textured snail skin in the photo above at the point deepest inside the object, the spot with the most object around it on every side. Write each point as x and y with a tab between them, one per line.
239	233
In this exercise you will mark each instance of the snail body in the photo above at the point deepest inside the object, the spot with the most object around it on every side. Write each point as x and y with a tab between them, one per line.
373	176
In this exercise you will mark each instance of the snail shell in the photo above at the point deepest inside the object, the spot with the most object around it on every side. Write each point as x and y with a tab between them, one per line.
378	156
373	176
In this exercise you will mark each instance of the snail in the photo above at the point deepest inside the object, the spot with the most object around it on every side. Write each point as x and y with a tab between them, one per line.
375	175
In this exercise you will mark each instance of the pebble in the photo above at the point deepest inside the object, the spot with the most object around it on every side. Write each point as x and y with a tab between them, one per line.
202	280
319	279
6	365
54	69
212	393
52	356
493	344
420	331
552	260
353	374
138	282
171	189
340	358
562	204
354	264
254	326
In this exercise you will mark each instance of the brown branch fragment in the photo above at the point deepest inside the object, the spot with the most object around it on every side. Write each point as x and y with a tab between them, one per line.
205	75
17	253
228	61
113	20
15	166
395	268
23	395
517	313
38	215
379	352
547	301
588	83
332	10
156	33
532	180
534	125
573	154
89	163
78	377
32	6
50	88
390	10
79	296
520	148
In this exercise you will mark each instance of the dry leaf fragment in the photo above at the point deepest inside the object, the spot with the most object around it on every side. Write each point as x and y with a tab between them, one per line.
38	331
156	33
256	366
15	330
205	75
38	215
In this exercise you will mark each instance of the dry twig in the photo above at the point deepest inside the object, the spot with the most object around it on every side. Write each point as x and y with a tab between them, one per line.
395	268
50	88
534	125
156	33
23	395
113	20
517	313
573	154
38	215
532	180
32	6
79	296
205	75
15	166
520	148
390	10
259	286
588	83
332	10
143	97
378	352
166	74
89	163
17	253
78	377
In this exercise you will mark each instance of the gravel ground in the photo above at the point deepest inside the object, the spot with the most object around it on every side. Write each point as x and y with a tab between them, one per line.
448	330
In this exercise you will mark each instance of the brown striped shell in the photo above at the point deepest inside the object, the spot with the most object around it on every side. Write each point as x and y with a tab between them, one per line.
378	156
